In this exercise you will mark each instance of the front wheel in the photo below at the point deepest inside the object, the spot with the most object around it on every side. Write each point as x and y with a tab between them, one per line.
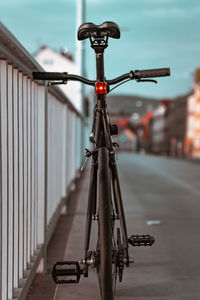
104	244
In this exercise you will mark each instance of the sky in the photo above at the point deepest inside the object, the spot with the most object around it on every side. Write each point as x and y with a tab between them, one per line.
154	34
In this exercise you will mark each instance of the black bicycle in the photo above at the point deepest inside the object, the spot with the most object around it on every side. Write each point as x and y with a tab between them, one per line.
104	201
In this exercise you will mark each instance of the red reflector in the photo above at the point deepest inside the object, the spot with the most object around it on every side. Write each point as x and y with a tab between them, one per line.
101	88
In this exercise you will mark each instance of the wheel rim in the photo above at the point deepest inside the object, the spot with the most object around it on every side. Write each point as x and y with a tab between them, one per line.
114	260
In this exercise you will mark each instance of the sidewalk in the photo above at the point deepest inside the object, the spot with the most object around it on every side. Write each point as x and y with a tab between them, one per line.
87	288
43	287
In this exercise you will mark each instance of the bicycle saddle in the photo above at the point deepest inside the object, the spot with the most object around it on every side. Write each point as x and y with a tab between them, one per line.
110	29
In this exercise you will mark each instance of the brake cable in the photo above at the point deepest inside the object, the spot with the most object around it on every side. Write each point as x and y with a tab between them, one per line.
119	85
137	79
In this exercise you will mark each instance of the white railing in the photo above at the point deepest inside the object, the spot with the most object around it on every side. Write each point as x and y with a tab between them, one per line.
40	154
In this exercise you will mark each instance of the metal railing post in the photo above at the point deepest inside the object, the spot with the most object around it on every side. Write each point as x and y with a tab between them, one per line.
46	179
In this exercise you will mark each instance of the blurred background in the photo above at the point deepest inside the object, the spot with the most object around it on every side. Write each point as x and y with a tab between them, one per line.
43	133
154	34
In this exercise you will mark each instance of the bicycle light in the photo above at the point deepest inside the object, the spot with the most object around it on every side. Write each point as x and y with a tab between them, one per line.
101	88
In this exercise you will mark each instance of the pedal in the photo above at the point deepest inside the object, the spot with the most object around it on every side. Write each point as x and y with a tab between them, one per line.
59	272
141	240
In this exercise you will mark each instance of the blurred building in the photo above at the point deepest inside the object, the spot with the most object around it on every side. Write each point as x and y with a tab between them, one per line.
172	128
124	106
127	112
192	139
155	138
54	61
177	121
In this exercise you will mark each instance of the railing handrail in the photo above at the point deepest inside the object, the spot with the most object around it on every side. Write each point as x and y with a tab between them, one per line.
15	53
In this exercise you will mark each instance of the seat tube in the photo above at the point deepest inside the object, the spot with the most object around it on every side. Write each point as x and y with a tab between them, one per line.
101	99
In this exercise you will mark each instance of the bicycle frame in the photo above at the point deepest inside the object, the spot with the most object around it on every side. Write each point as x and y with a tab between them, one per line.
102	138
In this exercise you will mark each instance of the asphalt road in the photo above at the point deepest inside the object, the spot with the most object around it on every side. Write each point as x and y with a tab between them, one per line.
161	197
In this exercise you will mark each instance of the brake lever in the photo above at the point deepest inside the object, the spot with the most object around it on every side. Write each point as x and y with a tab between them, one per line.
146	80
50	83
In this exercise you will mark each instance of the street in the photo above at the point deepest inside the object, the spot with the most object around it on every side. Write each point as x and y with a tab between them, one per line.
162	198
167	191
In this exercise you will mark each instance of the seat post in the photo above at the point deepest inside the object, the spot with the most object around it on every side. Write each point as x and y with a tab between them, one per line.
99	51
100	66
99	44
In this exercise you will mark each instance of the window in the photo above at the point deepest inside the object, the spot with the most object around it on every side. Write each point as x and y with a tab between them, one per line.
48	62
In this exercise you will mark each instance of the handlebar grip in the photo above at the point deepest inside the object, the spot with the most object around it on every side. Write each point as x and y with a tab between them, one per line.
152	73
50	76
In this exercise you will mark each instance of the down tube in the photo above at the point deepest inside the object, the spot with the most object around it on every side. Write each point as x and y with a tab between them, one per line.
91	203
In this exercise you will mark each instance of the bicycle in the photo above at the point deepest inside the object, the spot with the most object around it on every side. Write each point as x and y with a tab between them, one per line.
104	200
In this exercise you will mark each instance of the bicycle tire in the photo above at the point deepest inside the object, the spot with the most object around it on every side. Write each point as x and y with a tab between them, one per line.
104	243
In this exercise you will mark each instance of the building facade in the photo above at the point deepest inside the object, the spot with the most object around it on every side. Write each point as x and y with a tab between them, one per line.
54	61
192	138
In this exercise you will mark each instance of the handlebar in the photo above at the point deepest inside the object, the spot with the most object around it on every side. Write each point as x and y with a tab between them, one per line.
61	76
137	75
152	73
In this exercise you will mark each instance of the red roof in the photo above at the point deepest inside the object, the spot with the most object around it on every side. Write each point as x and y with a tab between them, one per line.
166	102
147	117
123	122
